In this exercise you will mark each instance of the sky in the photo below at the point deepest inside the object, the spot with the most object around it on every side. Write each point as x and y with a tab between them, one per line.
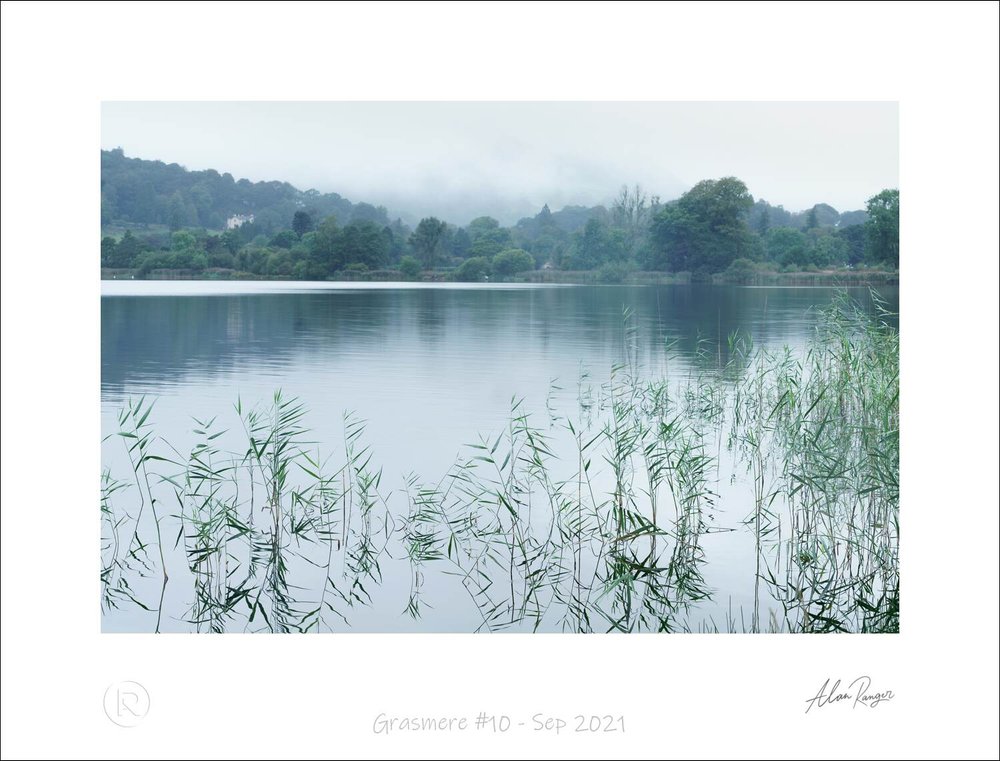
460	160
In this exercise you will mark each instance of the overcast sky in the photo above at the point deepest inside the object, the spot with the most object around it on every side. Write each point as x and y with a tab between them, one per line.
461	160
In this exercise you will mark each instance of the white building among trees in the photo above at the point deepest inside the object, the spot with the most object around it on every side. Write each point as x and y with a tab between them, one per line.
238	219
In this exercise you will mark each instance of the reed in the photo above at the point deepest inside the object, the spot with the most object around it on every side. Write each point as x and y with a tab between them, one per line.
598	519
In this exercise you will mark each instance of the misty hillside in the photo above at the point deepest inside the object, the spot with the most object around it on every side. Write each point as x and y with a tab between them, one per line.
140	192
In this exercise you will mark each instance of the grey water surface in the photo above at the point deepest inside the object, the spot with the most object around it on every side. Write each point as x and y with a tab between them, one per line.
429	369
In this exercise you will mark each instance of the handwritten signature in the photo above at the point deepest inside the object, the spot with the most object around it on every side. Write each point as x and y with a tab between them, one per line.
857	693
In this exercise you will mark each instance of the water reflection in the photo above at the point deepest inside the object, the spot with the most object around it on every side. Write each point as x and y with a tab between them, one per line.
163	341
429	369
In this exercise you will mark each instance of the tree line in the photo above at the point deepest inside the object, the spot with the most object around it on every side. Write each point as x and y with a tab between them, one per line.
716	227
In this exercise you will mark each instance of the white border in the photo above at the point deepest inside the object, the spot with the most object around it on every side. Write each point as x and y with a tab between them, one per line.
683	696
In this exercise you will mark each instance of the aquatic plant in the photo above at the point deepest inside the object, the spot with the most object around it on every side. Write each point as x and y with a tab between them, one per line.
595	519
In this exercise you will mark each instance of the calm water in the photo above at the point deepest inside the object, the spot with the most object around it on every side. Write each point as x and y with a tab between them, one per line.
429	368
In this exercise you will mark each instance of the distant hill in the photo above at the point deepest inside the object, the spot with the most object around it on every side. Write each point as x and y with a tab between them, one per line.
140	192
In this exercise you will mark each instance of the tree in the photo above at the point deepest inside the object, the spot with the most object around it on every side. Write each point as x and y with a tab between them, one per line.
183	241
177	212
741	271
512	261
109	252
764	221
882	228
324	254
811	220
487	237
461	243
425	239
128	250
232	240
362	243
487	247
853	237
393	246
473	270
302	223
365	212
705	230
829	250
629	214
481	226
788	247
826	215
284	239
409	267
598	245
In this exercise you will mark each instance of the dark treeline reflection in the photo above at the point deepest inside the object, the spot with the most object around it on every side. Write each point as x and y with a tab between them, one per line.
153	341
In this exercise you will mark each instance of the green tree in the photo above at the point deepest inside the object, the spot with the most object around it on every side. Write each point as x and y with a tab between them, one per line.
362	243
512	261
128	250
178	212
324	253
481	226
232	240
284	239
485	247
279	263
598	244
830	250
705	230
409	267
590	248
425	239
487	237
302	223
788	247
764	221
365	212
109	252
183	241
812	221
629	214
222	258
473	270
202	201
393	246
853	236
461	243
882	228
741	271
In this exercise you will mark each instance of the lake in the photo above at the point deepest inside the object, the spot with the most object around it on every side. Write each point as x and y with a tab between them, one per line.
429	369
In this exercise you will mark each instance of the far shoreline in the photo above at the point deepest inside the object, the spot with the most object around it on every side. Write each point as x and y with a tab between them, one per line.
830	278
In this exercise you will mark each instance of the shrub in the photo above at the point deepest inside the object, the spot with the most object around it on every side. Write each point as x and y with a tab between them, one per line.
613	272
409	267
472	270
741	271
511	261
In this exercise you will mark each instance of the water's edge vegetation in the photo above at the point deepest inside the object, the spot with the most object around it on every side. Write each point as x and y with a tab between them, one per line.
275	537
205	225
